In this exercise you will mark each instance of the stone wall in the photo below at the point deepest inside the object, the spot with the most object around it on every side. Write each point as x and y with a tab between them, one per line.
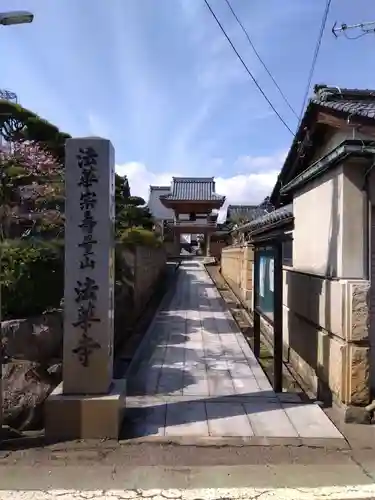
141	268
171	249
326	334
326	327
237	269
32	347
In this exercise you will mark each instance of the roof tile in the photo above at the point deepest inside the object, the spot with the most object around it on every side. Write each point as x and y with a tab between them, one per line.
352	101
278	215
246	212
193	188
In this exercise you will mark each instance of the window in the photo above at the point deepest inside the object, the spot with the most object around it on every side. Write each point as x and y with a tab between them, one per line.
288	251
193	216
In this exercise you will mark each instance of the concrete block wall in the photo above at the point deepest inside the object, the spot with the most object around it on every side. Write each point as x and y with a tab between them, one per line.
237	269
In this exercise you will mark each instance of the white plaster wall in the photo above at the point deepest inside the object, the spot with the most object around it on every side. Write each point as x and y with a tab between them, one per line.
317	225
157	209
330	225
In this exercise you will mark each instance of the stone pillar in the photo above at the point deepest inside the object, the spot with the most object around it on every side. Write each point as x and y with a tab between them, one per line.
177	243
208	242
87	404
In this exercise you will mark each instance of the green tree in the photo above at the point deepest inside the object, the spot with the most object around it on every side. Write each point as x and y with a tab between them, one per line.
130	210
18	123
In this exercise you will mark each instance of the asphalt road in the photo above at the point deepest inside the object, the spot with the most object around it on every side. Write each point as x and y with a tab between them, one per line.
106	466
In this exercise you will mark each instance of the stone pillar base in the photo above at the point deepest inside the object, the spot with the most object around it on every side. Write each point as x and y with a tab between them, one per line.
79	416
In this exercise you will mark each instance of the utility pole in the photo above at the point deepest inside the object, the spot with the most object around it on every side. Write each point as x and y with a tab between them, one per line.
364	28
8	19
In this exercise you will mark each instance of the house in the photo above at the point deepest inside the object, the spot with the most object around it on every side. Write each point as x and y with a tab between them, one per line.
243	213
325	223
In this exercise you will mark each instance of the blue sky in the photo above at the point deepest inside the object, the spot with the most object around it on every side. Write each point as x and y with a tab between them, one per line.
158	78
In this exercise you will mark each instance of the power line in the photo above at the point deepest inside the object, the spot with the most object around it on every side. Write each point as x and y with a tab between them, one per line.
259	58
245	66
315	56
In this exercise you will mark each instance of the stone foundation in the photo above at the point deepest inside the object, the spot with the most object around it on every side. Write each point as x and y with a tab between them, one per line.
326	329
76	416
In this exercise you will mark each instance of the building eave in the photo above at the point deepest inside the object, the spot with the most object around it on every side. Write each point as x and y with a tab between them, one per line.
169	202
277	218
345	149
359	105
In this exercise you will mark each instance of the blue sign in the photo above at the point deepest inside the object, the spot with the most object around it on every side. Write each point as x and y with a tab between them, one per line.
264	301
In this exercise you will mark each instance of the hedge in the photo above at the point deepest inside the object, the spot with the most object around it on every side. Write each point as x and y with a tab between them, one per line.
32	278
139	236
33	272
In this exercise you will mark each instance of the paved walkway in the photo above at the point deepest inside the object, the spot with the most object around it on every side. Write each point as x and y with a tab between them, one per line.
199	378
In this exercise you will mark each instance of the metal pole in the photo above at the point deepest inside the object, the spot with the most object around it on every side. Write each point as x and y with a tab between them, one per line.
278	318
7	19
256	316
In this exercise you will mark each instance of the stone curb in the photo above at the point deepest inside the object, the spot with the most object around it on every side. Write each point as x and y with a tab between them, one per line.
236	441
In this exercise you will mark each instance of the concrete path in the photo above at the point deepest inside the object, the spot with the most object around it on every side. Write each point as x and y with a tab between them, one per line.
198	379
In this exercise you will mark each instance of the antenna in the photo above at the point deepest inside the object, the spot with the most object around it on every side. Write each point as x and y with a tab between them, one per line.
365	29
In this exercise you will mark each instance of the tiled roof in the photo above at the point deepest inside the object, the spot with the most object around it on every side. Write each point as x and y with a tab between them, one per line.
270	218
194	189
350	101
247	212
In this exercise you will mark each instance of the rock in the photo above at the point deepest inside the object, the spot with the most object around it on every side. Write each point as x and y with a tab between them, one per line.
26	385
32	355
35	339
357	415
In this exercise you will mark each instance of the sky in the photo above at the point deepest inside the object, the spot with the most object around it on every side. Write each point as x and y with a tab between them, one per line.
159	79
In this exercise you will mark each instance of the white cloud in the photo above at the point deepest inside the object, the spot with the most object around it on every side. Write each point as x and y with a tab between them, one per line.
250	163
247	188
140	178
250	186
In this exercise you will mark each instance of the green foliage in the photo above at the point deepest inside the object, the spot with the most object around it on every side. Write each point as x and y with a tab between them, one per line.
122	191
139	236
17	123
32	278
130	210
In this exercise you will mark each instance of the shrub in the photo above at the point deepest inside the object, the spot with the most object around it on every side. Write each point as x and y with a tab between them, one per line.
139	237
32	278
